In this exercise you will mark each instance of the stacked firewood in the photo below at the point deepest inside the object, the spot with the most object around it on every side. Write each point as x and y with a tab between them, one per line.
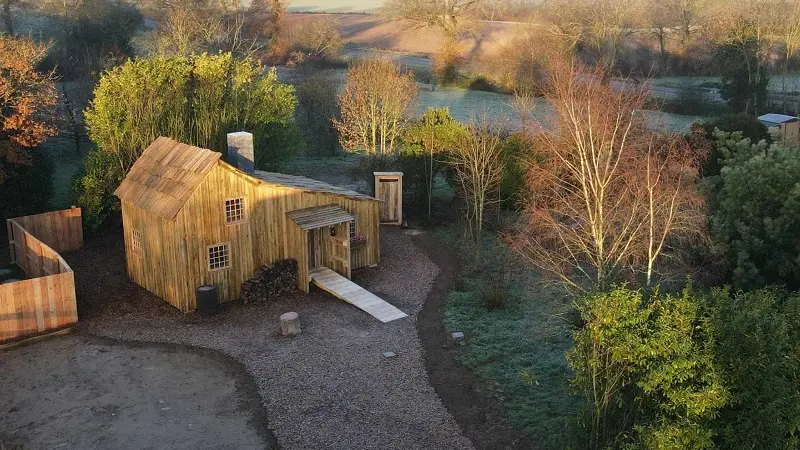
270	280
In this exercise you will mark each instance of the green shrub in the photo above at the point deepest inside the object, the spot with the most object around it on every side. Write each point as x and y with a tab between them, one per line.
317	106
93	187
426	141
745	78
27	189
369	164
645	367
513	186
749	126
758	350
754	207
701	139
196	100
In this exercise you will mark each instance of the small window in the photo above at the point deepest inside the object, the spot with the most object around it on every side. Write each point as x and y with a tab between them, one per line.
234	210
219	256
353	227
136	242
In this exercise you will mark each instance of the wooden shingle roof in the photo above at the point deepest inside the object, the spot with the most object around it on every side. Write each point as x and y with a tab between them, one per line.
319	216
165	175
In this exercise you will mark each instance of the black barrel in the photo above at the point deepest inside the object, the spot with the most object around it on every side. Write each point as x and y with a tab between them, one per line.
207	299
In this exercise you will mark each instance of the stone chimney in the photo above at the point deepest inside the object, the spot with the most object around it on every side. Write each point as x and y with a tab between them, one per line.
240	151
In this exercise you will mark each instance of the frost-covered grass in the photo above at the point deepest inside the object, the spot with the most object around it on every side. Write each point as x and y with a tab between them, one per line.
518	350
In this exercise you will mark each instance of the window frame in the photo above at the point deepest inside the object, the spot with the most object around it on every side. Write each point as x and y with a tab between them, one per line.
353	226
243	210
227	258
136	242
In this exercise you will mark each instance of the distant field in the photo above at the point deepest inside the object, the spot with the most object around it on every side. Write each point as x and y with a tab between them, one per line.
372	31
335	5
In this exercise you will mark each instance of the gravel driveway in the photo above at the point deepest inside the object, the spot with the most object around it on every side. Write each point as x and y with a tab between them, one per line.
330	387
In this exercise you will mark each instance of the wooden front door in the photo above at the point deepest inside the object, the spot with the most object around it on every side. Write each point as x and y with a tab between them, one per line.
389	190
316	248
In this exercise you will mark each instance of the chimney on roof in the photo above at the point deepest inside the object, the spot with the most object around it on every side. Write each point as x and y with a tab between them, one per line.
240	151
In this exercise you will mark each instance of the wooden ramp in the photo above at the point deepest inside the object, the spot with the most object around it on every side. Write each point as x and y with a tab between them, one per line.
341	287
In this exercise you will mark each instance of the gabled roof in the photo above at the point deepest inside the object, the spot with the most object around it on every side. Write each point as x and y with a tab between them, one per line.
777	118
319	216
165	175
307	184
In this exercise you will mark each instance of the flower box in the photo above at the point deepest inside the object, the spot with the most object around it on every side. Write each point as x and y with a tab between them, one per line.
357	242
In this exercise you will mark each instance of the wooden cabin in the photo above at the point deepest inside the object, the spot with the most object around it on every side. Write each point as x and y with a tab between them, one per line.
191	219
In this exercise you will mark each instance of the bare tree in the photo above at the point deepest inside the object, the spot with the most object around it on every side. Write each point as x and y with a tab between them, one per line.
606	194
445	14
191	26
784	21
318	39
687	17
478	166
374	106
601	25
674	208
275	11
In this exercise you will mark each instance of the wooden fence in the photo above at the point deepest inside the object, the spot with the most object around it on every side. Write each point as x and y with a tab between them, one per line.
60	230
47	300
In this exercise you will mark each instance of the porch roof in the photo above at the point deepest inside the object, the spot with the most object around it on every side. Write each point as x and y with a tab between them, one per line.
319	216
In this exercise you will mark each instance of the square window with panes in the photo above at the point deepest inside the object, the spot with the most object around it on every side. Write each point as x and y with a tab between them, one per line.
219	257
234	210
136	242
353	227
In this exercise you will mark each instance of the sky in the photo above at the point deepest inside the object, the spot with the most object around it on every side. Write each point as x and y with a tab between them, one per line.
335	5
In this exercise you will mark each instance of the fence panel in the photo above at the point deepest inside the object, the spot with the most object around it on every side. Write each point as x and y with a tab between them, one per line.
60	230
47	300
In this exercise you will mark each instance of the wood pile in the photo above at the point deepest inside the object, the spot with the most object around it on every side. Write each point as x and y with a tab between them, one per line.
270	280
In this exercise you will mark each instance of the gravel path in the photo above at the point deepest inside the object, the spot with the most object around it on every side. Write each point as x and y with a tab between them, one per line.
330	387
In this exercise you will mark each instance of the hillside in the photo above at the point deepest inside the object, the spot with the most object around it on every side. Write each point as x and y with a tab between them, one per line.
372	31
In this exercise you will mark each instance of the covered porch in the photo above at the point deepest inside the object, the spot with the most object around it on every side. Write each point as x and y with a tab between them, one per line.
322	239
322	235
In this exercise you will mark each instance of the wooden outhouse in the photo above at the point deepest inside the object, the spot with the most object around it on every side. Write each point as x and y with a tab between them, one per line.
389	190
191	219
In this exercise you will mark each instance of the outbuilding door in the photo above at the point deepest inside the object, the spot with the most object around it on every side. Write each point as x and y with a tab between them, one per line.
316	248
330	247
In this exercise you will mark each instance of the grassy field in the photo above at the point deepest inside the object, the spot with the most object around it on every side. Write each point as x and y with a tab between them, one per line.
66	163
518	350
776	82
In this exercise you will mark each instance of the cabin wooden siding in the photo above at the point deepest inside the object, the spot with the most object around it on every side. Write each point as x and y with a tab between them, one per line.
160	260
174	258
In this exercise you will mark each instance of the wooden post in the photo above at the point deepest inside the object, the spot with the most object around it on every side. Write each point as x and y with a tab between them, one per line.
290	324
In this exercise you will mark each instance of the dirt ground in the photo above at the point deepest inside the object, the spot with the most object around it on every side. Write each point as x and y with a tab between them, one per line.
80	392
328	388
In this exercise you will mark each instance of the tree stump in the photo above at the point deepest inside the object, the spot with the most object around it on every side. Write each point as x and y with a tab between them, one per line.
290	324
